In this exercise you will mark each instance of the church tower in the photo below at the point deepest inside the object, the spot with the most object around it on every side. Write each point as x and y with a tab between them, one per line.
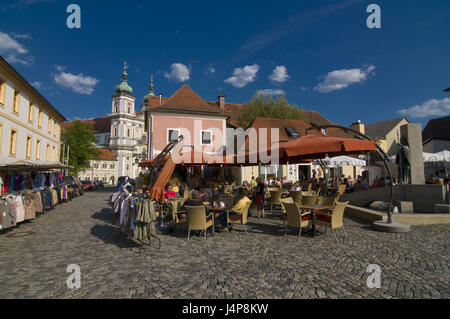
123	127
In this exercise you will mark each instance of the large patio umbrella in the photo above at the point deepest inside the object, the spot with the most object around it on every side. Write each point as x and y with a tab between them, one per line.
308	148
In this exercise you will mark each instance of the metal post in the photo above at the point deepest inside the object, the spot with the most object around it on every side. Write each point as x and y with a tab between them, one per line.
67	160
62	160
380	152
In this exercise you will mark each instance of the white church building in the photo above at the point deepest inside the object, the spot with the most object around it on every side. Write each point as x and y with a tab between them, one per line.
121	137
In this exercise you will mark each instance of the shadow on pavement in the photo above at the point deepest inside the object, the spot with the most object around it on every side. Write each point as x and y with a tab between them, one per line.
110	235
105	214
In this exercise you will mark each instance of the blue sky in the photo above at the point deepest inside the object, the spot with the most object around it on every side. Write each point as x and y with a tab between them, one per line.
320	54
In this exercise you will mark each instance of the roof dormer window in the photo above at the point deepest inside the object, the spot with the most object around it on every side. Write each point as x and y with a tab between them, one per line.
291	132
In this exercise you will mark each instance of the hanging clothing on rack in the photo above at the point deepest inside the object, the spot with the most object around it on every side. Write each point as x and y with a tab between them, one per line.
28	203
8	218
145	220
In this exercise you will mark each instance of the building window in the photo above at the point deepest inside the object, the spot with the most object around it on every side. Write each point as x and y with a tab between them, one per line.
40	119
47	153
2	92
112	166
53	154
105	166
172	135
13	143
28	153
38	149
324	131
115	131
96	165
30	112
49	128
55	129
16	102
116	107
128	167
129	110
206	137
128	132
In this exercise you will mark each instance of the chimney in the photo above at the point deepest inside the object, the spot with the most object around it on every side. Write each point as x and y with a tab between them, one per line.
358	126
222	102
160	98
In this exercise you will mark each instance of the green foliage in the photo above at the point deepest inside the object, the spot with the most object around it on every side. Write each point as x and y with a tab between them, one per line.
262	106
81	140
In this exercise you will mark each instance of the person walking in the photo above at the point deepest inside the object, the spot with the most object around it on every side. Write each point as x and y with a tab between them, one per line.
260	197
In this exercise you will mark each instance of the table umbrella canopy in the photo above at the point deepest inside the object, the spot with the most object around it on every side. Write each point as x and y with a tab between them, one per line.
309	147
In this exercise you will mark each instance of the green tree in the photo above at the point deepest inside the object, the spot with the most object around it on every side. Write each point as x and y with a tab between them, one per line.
262	106
81	142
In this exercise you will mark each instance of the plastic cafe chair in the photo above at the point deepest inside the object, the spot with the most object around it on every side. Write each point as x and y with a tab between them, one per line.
275	197
197	219
295	219
242	220
334	220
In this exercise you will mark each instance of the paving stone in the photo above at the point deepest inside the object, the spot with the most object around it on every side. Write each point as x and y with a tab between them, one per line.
260	264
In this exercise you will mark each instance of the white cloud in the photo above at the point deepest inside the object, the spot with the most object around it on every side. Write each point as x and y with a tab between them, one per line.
340	79
271	92
179	72
77	83
13	51
37	84
279	74
210	70
243	76
21	36
429	108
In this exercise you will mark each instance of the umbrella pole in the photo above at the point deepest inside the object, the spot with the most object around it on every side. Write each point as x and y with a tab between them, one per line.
379	150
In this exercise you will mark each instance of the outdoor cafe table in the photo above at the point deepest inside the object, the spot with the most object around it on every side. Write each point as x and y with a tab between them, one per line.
217	210
314	209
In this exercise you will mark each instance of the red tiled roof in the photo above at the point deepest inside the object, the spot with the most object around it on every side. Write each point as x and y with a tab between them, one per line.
186	100
153	101
99	124
106	155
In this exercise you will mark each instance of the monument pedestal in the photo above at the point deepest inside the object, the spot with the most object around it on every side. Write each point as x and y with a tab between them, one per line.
413	134
394	227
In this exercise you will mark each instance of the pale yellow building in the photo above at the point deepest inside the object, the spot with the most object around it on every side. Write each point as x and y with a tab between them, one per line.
29	124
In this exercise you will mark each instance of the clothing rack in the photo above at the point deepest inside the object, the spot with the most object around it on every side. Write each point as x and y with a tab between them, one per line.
129	217
24	194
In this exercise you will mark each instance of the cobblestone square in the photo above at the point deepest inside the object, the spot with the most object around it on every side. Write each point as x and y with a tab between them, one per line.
260	264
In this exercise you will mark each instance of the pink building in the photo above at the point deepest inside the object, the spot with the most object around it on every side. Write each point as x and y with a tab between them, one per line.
202	124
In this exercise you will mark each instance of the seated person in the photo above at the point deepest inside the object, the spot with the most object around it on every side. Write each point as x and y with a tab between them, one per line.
208	193
194	200
236	211
169	193
359	185
296	187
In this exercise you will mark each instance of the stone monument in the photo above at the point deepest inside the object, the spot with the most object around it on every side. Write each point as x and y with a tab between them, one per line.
411	142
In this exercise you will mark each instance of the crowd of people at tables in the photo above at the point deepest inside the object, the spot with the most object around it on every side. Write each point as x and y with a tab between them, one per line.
257	191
